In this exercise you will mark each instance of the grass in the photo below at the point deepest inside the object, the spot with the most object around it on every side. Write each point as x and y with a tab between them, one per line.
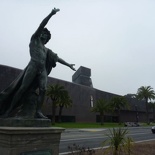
92	125
87	125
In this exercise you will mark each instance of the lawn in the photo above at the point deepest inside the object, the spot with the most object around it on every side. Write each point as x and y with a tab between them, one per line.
87	125
93	125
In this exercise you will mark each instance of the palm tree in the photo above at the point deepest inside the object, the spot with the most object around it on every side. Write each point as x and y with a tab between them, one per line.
146	93
117	103
55	92
102	107
65	101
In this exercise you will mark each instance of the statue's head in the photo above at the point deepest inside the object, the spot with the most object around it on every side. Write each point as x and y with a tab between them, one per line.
45	35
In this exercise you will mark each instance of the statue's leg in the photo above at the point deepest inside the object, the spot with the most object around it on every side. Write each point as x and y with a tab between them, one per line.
42	91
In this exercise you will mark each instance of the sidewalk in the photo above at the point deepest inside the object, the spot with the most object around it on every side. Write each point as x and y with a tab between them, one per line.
99	129
85	129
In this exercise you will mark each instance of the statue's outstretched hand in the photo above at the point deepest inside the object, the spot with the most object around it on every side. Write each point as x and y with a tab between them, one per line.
54	11
71	66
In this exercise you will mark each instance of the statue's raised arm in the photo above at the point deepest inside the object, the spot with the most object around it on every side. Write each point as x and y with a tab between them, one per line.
44	22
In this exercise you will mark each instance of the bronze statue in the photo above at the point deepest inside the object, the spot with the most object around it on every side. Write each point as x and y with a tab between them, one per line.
34	75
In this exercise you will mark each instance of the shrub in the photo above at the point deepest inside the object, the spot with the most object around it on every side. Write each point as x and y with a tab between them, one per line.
118	141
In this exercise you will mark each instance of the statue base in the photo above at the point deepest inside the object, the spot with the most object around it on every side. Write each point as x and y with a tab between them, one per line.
30	140
21	122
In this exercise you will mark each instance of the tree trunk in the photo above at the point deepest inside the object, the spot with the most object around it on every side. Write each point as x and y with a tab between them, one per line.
119	122
147	111
102	119
60	113
53	113
153	114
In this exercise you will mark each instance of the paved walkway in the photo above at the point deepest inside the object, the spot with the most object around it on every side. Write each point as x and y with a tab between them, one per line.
98	129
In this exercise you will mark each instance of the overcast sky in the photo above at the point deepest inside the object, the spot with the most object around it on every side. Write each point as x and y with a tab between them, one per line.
114	38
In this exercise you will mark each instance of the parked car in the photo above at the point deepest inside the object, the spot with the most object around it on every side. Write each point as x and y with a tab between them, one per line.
153	129
133	124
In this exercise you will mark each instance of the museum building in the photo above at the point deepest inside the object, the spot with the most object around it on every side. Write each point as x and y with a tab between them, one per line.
83	96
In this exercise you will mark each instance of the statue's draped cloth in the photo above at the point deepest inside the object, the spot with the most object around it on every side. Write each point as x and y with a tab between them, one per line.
7	95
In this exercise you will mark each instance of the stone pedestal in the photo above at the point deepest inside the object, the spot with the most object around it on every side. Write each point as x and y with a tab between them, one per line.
21	122
30	140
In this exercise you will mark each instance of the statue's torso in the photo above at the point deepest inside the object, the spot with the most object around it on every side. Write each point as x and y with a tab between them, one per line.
38	53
